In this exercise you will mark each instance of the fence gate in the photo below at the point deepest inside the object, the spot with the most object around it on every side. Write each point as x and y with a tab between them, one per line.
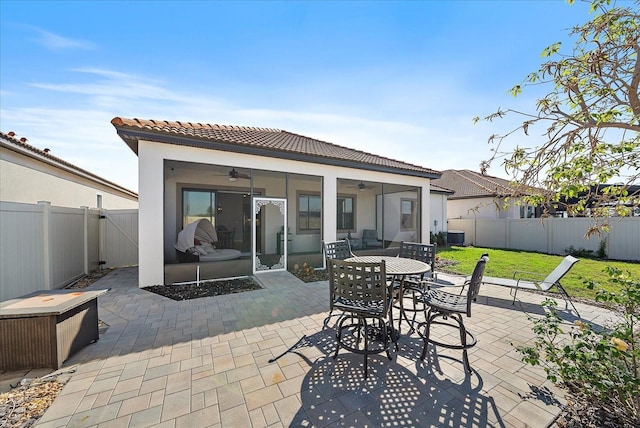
118	238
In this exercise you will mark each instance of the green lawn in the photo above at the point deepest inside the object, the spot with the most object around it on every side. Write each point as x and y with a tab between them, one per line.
502	263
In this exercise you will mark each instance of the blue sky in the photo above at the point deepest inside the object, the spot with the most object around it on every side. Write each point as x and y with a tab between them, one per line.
398	79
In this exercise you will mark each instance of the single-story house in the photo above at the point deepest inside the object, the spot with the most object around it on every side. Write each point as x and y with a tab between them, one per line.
29	175
482	196
271	195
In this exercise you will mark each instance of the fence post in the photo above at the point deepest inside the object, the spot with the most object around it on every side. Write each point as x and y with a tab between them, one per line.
551	225
46	244
507	238
85	250
102	239
475	231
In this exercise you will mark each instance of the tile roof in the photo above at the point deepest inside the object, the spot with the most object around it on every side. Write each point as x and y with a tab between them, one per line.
20	145
439	189
470	184
260	141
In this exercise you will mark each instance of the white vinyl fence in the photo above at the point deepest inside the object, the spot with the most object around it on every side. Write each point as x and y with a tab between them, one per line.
553	235
43	247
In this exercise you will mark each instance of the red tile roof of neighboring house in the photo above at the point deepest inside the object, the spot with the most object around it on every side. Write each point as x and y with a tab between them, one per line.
259	141
470	184
11	141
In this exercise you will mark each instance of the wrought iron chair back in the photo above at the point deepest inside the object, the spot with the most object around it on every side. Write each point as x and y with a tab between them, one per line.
359	284
475	281
423	252
337	250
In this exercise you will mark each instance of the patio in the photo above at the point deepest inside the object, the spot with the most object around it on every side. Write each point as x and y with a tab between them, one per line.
205	362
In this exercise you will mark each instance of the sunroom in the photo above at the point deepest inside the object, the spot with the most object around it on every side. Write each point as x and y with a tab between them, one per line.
263	200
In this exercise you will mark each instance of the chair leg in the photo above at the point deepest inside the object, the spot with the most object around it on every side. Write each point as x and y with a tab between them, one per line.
464	335
567	298
415	297
325	323
366	343
418	300
359	341
430	317
402	315
338	327
386	336
463	341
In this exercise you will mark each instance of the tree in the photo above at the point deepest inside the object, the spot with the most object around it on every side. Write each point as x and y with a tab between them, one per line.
592	120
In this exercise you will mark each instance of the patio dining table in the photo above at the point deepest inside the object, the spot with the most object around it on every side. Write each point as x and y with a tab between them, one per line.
398	267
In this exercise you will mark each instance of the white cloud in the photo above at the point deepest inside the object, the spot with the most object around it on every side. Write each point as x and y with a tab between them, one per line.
57	42
76	125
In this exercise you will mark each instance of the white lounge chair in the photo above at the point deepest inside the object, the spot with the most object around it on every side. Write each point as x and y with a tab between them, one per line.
524	280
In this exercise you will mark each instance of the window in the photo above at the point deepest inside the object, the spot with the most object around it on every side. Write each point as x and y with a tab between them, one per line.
408	214
527	211
197	204
346	213
309	213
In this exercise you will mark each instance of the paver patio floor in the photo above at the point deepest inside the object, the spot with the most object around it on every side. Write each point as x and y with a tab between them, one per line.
206	362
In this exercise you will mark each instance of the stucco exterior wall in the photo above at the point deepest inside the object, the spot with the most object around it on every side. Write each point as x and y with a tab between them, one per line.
157	200
438	212
472	208
26	180
482	208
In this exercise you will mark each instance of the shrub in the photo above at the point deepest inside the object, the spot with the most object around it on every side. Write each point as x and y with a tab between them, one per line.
602	249
590	254
579	252
309	274
440	239
603	365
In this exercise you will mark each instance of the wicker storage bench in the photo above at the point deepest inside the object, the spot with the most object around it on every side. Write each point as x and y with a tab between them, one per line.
44	328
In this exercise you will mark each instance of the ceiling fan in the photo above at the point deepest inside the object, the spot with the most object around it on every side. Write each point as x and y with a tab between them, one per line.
234	175
361	186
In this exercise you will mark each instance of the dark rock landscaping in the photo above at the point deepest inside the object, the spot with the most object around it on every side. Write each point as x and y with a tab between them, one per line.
204	288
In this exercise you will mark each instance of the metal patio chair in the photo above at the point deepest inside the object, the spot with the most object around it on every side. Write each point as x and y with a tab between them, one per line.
338	250
362	298
448	305
538	281
370	239
414	286
335	250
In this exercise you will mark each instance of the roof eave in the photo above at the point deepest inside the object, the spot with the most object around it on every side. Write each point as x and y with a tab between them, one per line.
131	137
33	153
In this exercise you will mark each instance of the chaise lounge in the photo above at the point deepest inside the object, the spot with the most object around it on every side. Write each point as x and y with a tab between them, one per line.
542	283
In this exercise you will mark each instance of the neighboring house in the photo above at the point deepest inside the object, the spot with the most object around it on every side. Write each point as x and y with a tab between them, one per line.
481	196
600	195
273	197
29	175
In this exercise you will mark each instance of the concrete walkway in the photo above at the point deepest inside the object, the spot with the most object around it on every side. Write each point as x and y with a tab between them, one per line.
205	362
